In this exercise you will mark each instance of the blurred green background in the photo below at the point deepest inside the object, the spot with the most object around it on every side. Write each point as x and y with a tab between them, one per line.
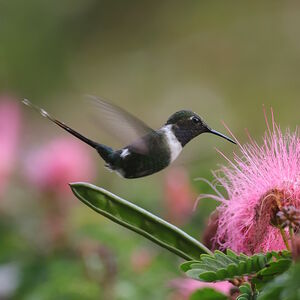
223	60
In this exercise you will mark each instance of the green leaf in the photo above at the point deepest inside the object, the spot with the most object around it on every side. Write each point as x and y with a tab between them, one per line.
272	270
208	294
220	266
245	288
283	287
243	297
281	254
139	220
246	292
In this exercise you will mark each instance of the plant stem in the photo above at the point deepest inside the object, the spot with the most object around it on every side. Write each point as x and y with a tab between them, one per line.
285	239
237	281
291	232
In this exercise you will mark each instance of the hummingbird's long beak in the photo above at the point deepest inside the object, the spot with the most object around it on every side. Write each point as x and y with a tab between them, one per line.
221	135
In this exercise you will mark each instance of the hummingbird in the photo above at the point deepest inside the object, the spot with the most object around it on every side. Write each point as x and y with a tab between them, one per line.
150	150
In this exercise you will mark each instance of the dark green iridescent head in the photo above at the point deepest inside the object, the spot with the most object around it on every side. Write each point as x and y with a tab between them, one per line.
186	125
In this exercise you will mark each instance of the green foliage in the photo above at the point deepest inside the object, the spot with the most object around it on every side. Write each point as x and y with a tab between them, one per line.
246	292
59	278
220	266
12	243
207	294
263	272
273	269
139	220
284	287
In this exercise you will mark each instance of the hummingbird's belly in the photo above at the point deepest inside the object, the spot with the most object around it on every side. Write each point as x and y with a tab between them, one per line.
134	161
136	165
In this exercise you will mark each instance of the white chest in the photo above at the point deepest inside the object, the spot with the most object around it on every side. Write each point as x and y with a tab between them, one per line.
173	143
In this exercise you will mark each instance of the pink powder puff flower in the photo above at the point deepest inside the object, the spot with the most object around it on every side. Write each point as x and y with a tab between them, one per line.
185	286
10	125
259	183
55	164
178	195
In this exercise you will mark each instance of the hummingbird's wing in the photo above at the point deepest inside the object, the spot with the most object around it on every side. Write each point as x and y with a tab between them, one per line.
121	124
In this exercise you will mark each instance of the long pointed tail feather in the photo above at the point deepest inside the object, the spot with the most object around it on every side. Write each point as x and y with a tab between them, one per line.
62	125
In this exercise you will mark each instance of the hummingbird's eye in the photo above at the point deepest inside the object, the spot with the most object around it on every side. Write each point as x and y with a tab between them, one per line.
195	120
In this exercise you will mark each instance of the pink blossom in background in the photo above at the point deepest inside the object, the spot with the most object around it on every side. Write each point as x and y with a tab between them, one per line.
141	259
10	125
258	181
59	162
178	195
185	286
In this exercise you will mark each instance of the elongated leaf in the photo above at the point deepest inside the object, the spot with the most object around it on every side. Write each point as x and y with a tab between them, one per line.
139	220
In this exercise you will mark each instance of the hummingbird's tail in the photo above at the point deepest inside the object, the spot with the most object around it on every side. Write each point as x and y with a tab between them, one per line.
104	151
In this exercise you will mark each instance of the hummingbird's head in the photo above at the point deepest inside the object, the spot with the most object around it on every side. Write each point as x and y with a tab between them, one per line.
186	125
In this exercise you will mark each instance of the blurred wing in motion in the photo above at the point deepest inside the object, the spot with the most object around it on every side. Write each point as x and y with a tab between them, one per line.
120	123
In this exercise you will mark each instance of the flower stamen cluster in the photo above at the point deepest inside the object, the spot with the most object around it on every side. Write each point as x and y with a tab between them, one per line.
263	193
289	217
